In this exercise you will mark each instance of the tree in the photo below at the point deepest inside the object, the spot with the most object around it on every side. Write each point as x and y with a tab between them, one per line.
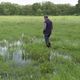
1	9
9	9
49	8
26	10
63	9
78	7
78	1
36	7
15	9
5	8
46	8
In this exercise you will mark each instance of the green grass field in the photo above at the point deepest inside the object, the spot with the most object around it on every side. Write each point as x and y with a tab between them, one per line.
61	62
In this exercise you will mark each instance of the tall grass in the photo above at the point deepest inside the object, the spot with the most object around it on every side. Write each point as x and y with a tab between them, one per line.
65	40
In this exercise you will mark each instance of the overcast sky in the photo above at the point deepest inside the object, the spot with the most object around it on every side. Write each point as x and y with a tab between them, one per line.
24	2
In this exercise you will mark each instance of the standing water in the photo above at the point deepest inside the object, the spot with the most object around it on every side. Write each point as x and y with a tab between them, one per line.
13	54
12	51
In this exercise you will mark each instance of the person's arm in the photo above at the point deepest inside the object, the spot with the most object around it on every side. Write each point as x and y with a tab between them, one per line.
44	28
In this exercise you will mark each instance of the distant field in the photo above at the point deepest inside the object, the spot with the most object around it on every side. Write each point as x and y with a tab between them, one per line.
61	62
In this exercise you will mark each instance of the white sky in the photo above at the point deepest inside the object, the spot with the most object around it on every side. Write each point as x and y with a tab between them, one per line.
24	2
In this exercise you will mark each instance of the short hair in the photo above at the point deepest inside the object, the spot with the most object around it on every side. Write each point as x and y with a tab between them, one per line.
45	16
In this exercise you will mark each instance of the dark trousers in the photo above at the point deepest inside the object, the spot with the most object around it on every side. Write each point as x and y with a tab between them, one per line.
47	36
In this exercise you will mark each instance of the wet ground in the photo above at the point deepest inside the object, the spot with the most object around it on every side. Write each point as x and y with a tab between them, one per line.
13	51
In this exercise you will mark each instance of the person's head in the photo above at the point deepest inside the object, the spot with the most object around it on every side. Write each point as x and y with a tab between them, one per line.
45	18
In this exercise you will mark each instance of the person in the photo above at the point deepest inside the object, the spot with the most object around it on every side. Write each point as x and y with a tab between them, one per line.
48	26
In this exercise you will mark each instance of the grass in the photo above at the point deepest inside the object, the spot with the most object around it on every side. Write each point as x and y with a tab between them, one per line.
65	40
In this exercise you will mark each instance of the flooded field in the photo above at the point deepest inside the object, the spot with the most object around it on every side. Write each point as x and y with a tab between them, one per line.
13	55
24	55
12	51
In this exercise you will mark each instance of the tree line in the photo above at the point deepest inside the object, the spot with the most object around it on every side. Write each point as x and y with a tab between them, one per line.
46	8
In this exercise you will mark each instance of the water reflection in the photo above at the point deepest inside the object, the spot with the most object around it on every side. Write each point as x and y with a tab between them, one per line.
58	55
12	51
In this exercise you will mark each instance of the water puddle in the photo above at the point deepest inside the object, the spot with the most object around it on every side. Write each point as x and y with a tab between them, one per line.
57	54
13	54
13	51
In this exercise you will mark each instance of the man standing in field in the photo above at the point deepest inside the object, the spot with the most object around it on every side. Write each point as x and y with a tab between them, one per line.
47	30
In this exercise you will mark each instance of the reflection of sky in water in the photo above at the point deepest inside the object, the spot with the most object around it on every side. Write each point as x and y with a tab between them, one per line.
16	47
3	50
57	54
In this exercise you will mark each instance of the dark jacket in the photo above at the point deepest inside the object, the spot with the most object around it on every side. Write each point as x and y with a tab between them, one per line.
49	27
